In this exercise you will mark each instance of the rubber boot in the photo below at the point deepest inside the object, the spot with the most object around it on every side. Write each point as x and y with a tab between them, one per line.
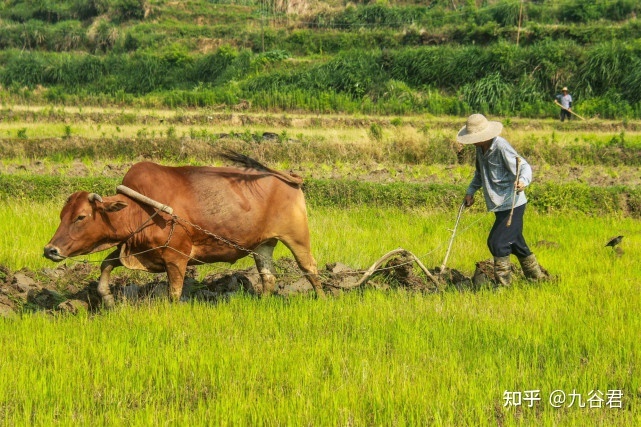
531	268
503	270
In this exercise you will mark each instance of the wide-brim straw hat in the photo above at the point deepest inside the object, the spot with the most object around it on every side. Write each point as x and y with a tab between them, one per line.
565	89
478	129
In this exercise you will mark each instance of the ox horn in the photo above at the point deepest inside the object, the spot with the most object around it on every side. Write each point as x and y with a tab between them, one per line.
93	197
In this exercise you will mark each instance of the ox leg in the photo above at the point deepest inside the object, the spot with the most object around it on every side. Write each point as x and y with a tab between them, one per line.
176	275
307	263
112	261
263	255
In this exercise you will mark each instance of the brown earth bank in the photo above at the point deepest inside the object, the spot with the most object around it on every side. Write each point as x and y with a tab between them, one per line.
594	175
73	288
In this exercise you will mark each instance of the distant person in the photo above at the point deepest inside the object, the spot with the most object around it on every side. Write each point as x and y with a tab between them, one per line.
495	173
565	100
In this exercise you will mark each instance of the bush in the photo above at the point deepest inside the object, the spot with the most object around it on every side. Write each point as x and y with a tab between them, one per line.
23	70
619	10
49	11
67	36
490	94
609	106
579	11
210	67
604	67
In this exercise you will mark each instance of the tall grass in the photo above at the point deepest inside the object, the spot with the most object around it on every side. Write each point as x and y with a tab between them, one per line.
364	358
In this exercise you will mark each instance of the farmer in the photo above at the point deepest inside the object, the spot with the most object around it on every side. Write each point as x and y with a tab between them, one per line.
495	173
565	100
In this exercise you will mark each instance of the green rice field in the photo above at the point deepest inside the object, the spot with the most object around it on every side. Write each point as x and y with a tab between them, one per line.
363	358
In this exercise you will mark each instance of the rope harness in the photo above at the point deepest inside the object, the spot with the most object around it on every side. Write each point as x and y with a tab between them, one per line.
173	221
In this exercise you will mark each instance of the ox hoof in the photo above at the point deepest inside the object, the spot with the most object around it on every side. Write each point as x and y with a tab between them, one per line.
265	294
108	301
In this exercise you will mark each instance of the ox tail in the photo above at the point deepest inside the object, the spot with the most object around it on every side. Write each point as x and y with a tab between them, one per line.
246	161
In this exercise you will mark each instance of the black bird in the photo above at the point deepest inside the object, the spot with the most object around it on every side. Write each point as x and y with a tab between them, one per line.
614	241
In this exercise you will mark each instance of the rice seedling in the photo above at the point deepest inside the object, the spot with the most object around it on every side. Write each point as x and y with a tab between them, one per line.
363	358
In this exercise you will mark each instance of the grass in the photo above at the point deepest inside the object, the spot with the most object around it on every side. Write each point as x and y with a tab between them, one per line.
363	358
328	143
366	233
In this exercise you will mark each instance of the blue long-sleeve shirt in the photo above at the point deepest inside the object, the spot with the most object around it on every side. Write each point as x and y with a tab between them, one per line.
496	173
565	100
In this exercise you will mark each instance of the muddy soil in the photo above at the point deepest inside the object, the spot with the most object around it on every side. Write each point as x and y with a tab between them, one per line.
73	289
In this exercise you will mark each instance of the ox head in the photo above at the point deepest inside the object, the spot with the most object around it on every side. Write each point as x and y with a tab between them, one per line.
85	226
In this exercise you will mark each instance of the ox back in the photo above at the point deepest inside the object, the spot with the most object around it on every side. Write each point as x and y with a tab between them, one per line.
247	207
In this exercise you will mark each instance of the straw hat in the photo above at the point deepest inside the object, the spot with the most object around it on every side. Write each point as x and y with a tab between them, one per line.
478	129
565	89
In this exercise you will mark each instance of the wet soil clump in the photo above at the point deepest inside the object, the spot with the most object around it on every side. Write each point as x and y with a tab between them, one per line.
73	288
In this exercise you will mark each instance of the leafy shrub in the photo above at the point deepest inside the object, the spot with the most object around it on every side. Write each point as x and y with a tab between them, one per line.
354	72
609	106
103	35
619	10
68	35
578	11
48	11
490	94
503	13
585	11
210	67
24	70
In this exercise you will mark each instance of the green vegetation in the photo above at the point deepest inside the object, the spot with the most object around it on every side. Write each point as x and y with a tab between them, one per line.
381	58
348	193
371	357
366	232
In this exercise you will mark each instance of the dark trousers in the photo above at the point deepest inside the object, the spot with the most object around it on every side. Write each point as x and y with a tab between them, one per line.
565	114
504	240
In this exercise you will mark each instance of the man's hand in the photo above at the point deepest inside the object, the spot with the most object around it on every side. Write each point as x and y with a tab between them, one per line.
519	186
469	200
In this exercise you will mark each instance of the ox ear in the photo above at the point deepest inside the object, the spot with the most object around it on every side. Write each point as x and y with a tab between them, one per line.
114	206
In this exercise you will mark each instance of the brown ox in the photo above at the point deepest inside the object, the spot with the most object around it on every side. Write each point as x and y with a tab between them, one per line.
245	212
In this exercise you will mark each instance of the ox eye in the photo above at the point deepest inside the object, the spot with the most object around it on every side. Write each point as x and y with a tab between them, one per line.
80	218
